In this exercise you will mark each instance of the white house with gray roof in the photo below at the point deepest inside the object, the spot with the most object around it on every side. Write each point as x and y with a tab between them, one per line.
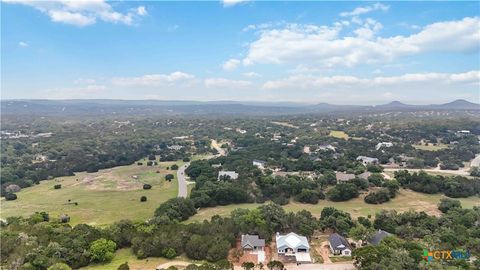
367	160
293	244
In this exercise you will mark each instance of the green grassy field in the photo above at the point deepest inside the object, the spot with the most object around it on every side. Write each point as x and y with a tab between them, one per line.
126	255
103	197
430	147
404	201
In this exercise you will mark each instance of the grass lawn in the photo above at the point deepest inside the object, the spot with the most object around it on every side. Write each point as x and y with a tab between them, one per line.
126	255
339	134
103	197
430	147
335	259
404	201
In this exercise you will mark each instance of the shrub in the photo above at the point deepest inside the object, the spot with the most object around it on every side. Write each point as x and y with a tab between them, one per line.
123	266
186	159
169	253
64	218
446	204
12	188
57	186
343	192
143	198
377	197
169	177
101	250
147	186
59	266
10	196
174	167
139	163
176	209
149	163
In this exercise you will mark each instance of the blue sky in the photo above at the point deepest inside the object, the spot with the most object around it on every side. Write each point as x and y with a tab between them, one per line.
337	52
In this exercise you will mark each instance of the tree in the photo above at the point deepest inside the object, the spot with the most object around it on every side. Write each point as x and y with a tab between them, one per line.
143	198
174	167
101	250
123	266
59	266
446	204
169	253
176	209
343	192
169	177
147	186
248	265
361	232
378	197
275	265
57	186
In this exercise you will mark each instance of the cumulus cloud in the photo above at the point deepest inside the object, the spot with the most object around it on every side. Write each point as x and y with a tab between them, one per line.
363	10
231	64
225	83
313	45
23	44
153	79
417	80
83	13
251	74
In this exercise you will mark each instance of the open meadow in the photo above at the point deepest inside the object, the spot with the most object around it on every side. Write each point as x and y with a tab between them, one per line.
98	198
404	201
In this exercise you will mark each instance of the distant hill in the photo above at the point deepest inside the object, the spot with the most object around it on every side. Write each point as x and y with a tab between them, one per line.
173	107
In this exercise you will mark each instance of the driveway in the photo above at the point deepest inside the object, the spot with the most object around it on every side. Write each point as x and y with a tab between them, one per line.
182	182
322	266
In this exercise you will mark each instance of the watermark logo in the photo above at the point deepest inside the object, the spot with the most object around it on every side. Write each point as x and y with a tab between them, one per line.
430	255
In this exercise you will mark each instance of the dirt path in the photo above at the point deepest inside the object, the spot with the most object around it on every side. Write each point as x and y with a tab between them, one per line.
173	263
217	147
324	252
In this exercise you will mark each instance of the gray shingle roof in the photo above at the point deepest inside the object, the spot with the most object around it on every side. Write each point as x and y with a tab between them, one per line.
377	238
338	242
252	241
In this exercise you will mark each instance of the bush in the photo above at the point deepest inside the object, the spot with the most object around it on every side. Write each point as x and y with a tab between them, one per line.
174	167
64	218
309	196
143	198
446	204
12	188
57	186
169	177
139	163
123	266
10	196
378	197
59	266
169	253
101	250
147	186
343	192
149	163
186	159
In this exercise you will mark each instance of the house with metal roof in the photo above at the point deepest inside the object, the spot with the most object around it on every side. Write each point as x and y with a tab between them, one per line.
367	160
339	245
259	163
252	242
344	177
293	244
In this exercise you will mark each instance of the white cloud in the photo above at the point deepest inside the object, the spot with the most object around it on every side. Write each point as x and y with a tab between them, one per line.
366	9
407	81
231	64
225	83
229	3
153	79
313	45
23	44
142	11
251	74
83	13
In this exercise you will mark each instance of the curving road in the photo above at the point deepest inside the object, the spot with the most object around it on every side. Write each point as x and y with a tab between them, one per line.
182	182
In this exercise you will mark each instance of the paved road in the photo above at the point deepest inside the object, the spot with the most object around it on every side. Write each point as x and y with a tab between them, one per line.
182	182
460	171
322	266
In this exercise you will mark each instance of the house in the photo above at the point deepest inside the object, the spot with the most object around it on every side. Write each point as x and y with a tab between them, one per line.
378	237
293	244
344	177
227	174
259	163
326	147
218	165
175	147
367	160
364	175
339	245
252	242
383	144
